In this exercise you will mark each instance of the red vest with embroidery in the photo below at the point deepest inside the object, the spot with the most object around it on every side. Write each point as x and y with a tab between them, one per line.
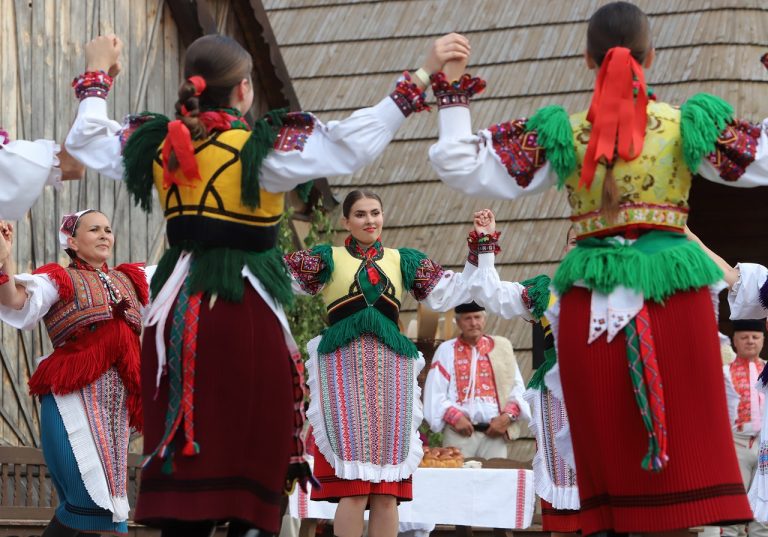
90	305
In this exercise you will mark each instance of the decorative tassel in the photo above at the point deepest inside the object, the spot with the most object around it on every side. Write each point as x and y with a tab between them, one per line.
538	293
410	260
178	144
555	134
702	118
190	449
138	157
253	153
611	200
373	274
60	279
169	466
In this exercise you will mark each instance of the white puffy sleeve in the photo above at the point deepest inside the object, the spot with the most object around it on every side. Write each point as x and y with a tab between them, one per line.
41	295
25	168
748	298
505	299
487	163
94	139
449	288
437	397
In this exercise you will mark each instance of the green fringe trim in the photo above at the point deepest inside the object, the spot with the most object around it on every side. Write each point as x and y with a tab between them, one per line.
555	135
138	157
538	293
304	190
410	259
219	271
702	118
537	379
325	251
658	264
367	321
253	153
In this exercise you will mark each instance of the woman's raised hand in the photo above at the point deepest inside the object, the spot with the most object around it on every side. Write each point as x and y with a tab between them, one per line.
102	53
485	222
451	47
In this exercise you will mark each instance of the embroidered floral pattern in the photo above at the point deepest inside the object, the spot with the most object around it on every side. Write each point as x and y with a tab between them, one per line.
296	130
641	215
482	243
735	149
427	276
306	269
456	93
519	151
408	97
131	122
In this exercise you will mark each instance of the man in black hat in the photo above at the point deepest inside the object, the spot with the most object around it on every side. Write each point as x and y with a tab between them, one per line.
748	339
474	389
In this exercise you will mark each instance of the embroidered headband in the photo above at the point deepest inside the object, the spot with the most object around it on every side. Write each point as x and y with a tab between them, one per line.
69	225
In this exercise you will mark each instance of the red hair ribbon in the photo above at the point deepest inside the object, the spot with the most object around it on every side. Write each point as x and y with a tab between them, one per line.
199	83
180	140
618	117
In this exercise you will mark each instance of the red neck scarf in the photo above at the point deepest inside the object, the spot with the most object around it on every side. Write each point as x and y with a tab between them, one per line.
375	251
618	117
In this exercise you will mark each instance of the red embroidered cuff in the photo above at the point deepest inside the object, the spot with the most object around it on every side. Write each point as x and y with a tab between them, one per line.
408	97
452	416
4	278
4	138
92	84
481	244
513	409
457	93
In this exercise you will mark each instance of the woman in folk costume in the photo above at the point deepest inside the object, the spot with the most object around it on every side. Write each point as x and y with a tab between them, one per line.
89	385
365	405
638	352
225	447
529	300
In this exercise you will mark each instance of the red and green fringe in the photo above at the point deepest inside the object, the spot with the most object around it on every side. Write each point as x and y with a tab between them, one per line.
555	134
702	118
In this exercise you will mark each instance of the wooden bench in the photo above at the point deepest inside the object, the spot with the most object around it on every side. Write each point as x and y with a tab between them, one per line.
28	498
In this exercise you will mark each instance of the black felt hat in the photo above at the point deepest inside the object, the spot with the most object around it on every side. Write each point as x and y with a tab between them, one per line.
749	325
470	307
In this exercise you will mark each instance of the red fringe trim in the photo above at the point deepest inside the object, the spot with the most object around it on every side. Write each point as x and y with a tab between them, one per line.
84	360
60	278
135	273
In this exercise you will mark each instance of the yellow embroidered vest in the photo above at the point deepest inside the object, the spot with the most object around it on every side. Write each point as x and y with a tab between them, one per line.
211	212
343	295
653	187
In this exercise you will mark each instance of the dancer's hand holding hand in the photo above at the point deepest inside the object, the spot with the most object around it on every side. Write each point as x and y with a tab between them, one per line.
451	47
102	53
485	222
498	426
70	167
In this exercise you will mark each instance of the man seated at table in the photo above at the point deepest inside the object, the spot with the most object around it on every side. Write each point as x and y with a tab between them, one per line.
474	386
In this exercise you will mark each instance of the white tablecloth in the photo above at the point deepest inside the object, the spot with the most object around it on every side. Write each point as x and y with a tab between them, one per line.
491	498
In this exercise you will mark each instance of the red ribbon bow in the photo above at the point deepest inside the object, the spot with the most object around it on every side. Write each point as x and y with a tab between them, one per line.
618	117
180	140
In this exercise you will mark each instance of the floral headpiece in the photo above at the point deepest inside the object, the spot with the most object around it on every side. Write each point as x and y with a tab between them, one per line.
69	224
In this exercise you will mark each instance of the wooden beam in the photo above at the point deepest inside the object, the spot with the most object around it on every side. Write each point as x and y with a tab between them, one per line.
193	19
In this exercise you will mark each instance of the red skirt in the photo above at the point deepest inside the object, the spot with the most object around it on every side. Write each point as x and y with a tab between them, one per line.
701	484
559	520
334	488
243	409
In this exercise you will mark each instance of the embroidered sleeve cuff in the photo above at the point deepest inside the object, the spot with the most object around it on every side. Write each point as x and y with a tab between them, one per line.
452	416
482	244
456	93
4	278
408	97
92	84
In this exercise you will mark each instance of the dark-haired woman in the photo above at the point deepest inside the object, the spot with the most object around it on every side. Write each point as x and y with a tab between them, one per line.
89	385
221	373
365	405
638	351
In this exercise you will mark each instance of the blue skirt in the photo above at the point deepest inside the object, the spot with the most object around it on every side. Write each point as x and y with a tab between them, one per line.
76	508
